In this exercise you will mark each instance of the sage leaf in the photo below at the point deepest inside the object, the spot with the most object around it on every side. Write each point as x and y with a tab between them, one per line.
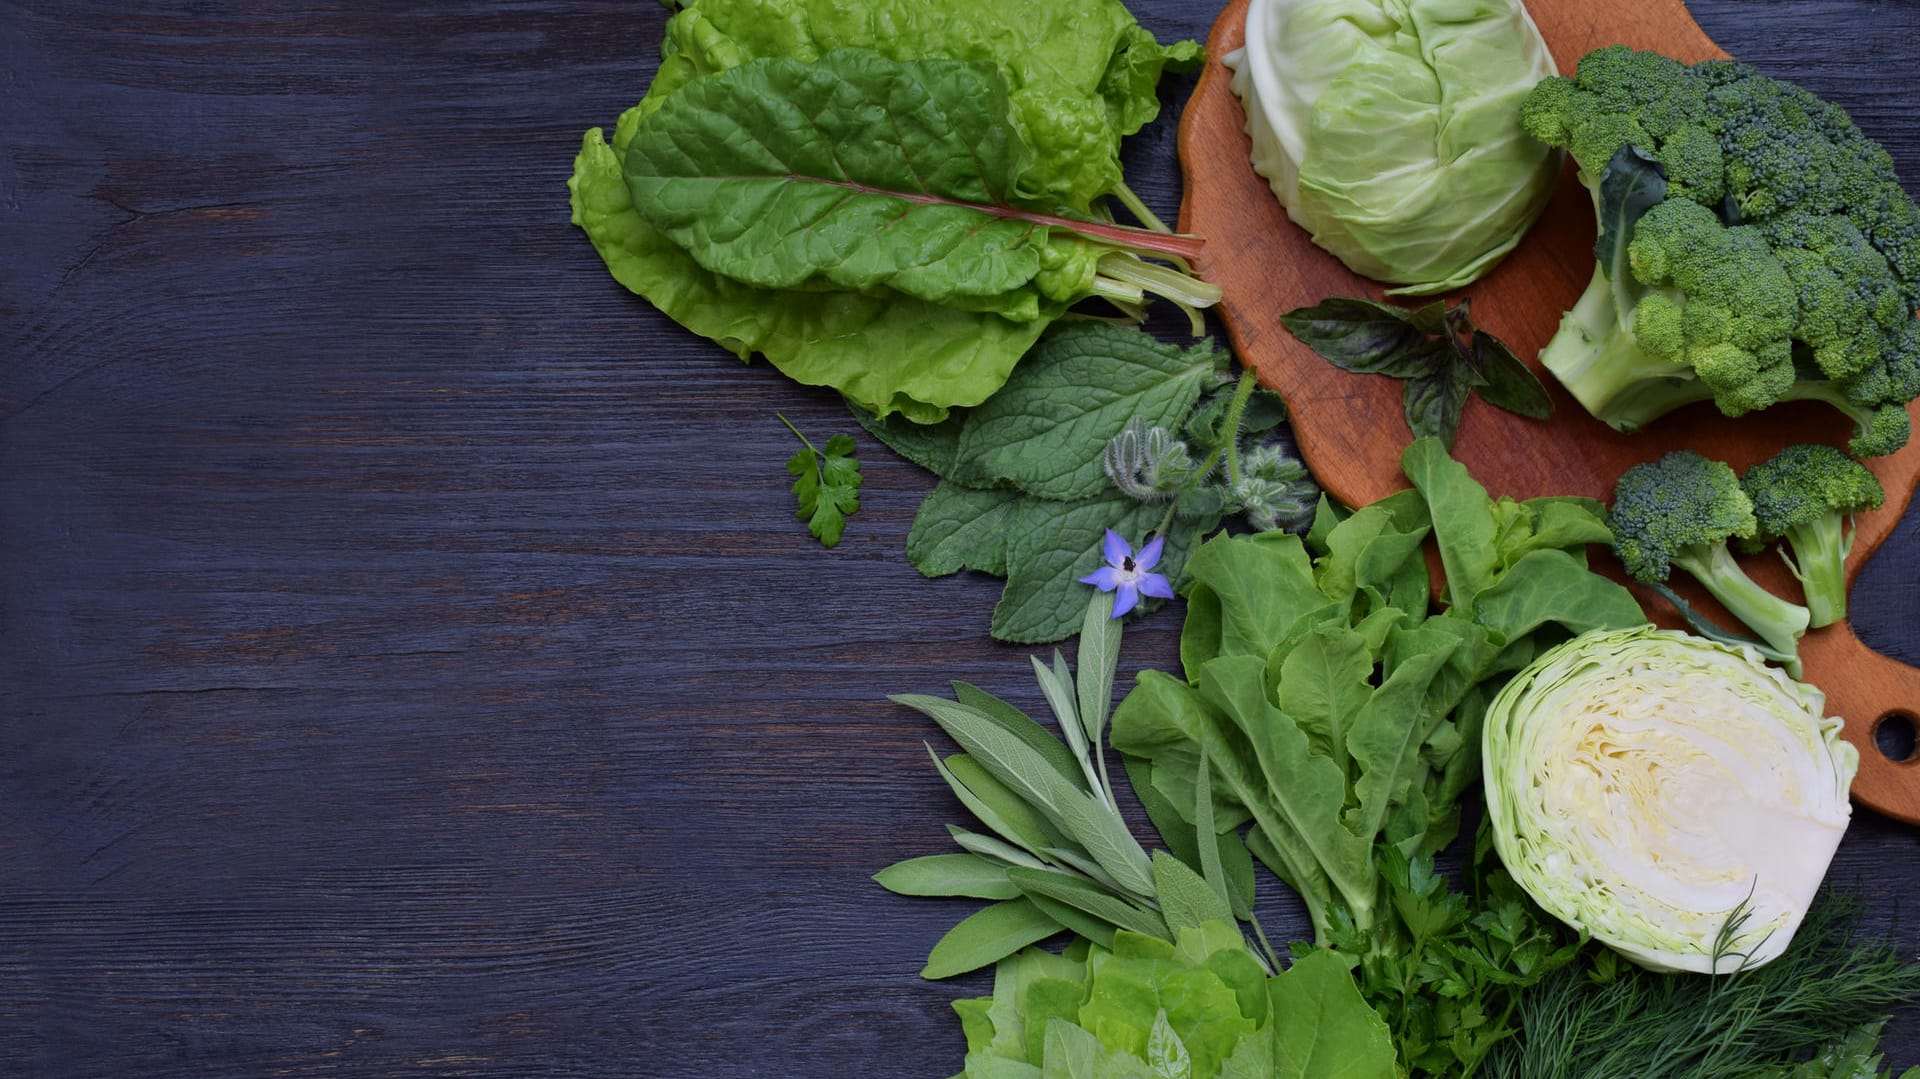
1076	921
1020	725
1103	834
1186	900
1090	899
987	936
993	804
948	875
1098	656
998	850
1004	756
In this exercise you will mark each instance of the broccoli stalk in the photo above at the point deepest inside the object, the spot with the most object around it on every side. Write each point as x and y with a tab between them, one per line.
1682	510
1807	495
1754	247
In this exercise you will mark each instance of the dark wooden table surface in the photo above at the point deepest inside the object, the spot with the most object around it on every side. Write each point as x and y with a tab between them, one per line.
409	663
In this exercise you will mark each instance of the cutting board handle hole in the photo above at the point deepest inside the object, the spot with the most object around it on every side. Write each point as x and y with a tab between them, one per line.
1894	734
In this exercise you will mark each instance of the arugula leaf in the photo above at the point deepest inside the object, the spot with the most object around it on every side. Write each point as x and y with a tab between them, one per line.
1436	351
826	484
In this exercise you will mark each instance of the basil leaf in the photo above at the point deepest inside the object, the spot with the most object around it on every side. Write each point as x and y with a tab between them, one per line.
1434	402
1505	381
1360	336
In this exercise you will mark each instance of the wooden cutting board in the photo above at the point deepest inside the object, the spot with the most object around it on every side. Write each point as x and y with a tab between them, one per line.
1351	428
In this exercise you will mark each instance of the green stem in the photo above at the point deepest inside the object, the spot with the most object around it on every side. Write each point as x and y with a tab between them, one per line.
1228	444
1137	208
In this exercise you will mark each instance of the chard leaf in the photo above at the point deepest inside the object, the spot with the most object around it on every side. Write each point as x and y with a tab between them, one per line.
956	357
986	936
948	875
853	173
1083	72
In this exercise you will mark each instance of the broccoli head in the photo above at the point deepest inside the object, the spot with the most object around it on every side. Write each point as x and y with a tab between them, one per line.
1755	247
1807	495
1682	511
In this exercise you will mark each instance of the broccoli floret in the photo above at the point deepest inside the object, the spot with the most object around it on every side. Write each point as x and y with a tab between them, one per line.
1770	256
1807	495
1682	510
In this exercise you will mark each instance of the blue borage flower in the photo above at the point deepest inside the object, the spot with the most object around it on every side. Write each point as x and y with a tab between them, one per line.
1125	574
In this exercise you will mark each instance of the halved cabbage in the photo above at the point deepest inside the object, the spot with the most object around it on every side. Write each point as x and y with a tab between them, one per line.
1390	129
1647	786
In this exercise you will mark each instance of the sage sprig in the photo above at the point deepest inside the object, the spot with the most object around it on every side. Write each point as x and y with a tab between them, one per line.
1058	855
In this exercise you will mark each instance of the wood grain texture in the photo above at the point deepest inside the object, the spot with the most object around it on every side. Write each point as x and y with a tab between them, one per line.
409	664
1351	430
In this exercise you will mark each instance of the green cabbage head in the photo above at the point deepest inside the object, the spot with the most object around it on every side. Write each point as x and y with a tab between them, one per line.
1673	797
1390	130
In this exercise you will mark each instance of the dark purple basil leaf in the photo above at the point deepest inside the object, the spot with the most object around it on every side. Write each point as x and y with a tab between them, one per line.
1358	335
1434	403
1505	382
1432	319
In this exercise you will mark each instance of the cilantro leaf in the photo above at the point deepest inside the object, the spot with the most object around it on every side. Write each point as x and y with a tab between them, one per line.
826	485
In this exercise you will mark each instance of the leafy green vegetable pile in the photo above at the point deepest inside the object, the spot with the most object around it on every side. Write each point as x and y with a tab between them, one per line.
893	198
